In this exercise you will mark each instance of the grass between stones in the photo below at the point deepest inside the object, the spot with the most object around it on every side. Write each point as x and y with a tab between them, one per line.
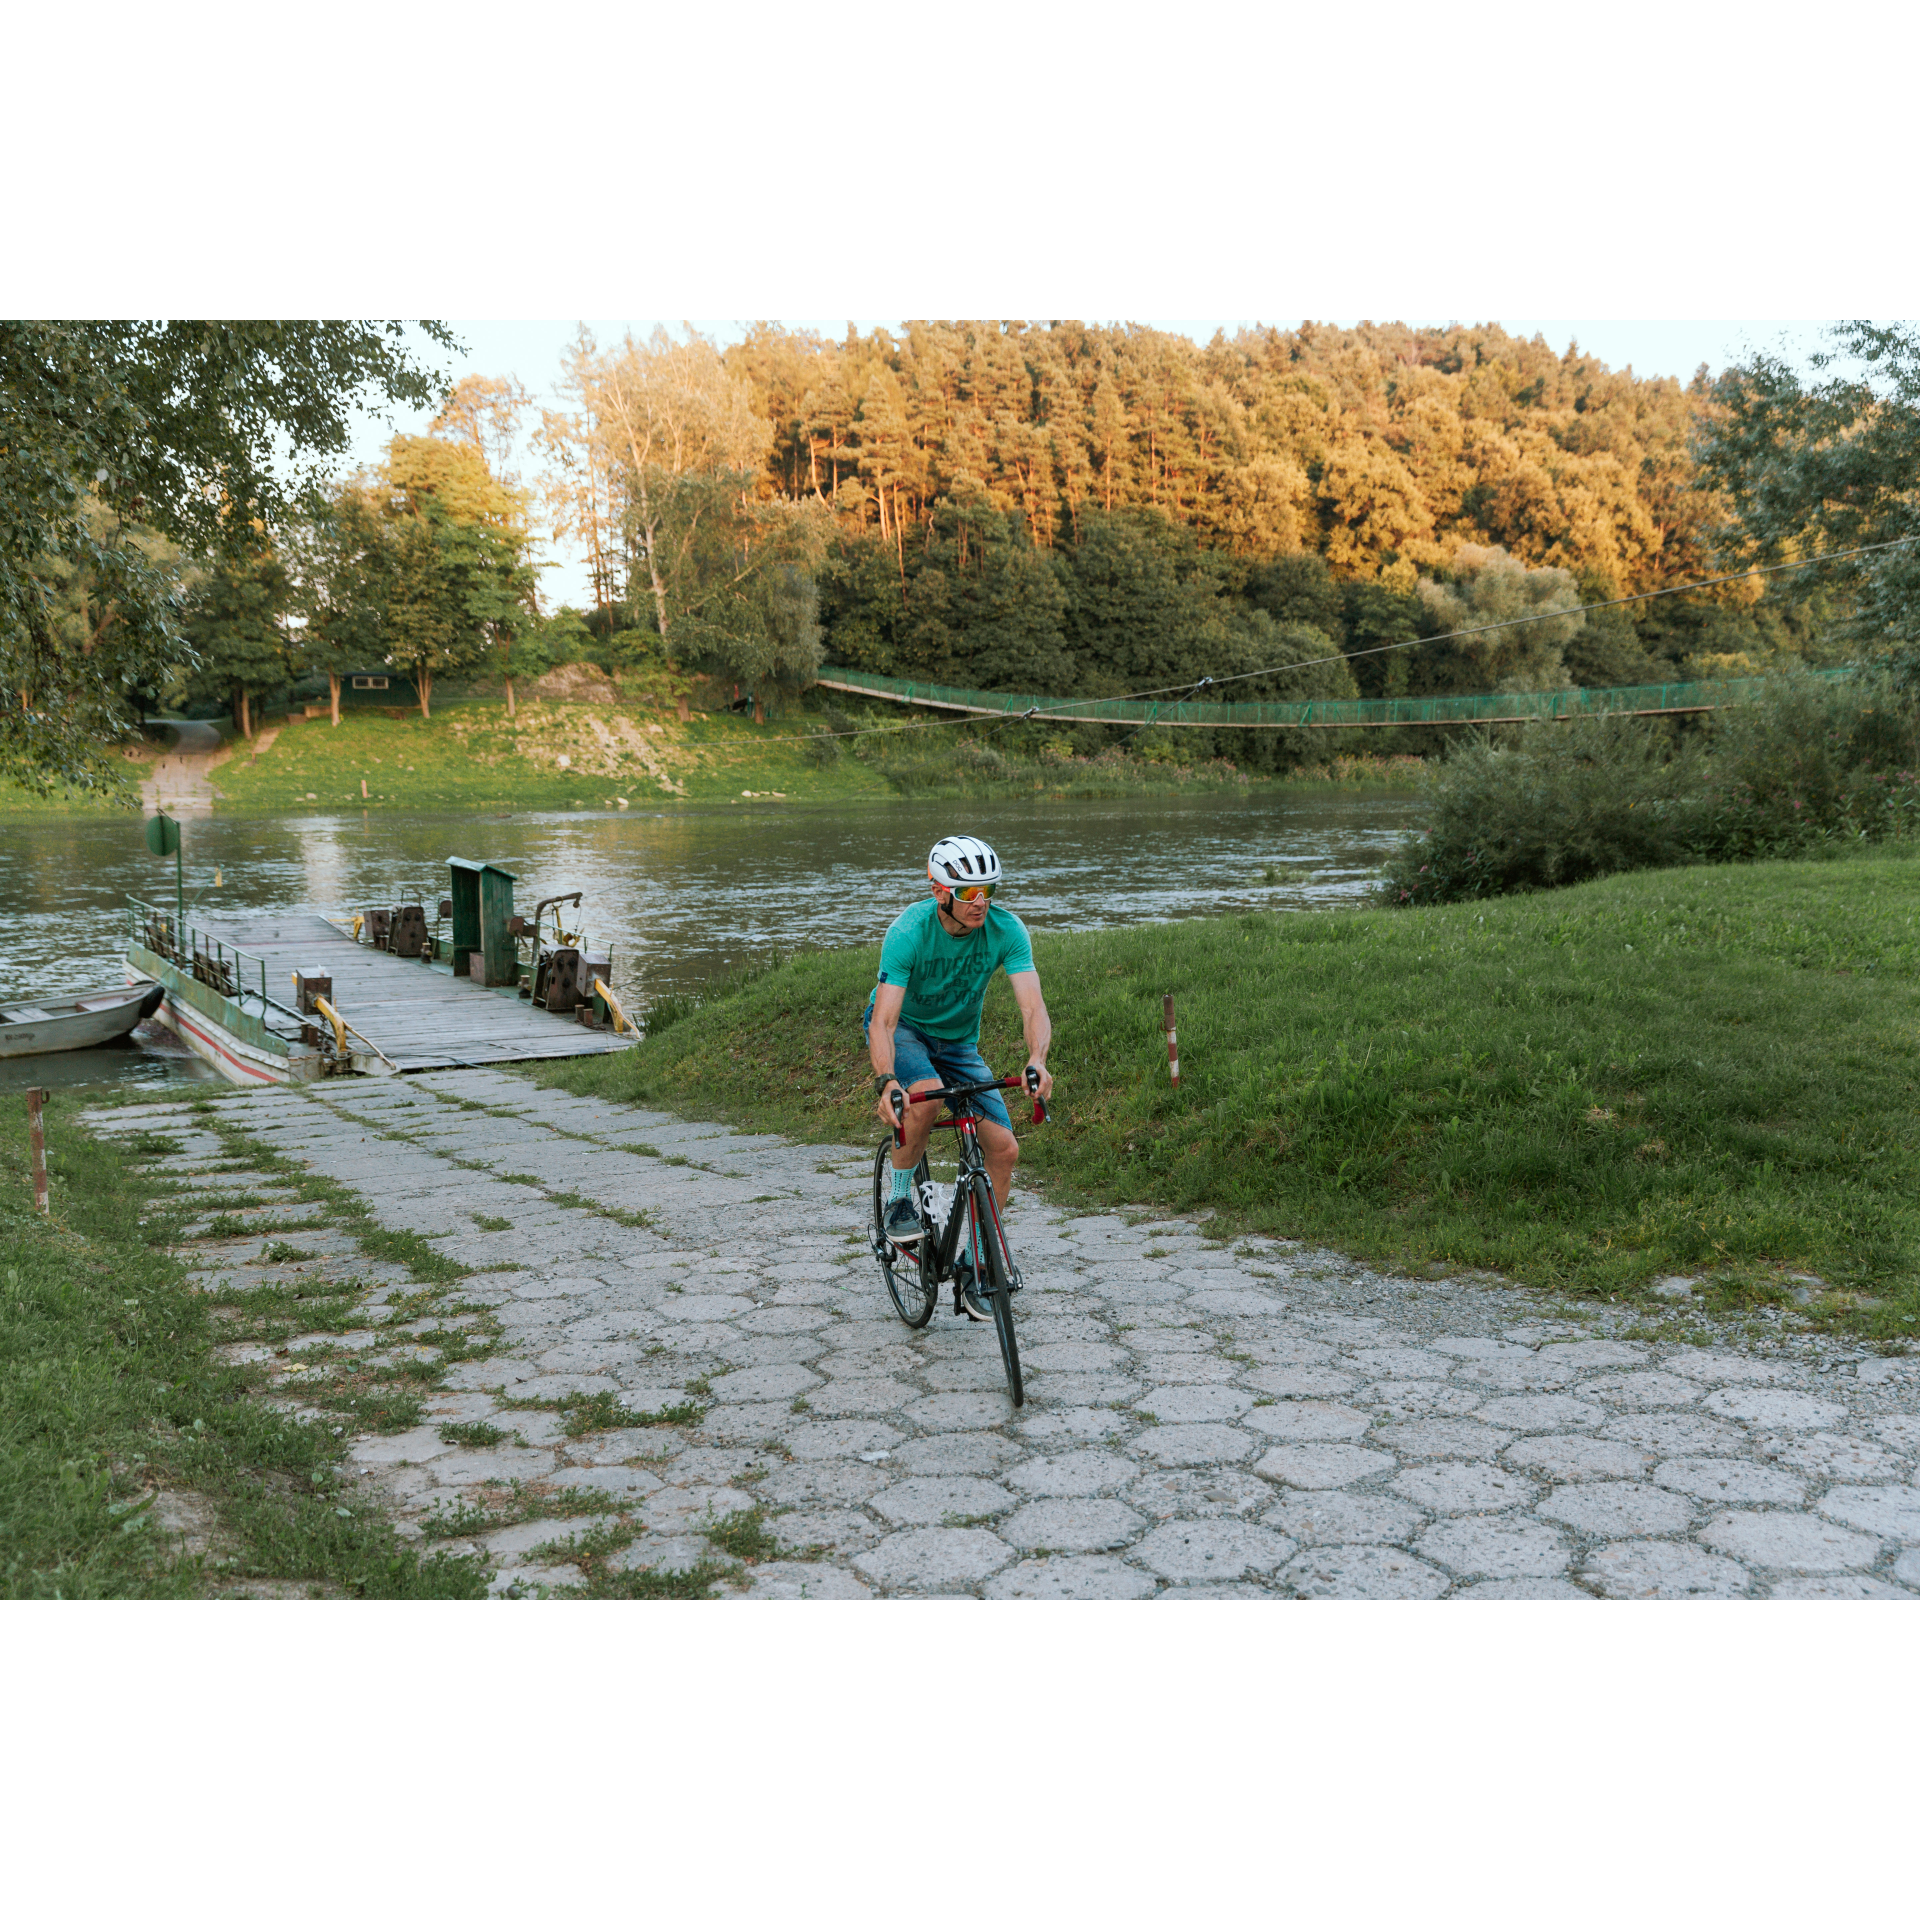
1707	1071
134	1461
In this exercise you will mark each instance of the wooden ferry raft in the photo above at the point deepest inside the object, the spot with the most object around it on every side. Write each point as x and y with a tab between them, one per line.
234	996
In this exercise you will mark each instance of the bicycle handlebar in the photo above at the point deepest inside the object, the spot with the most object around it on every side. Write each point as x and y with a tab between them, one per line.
1030	1082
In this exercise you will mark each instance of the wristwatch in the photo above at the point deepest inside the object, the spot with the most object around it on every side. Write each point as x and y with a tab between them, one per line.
882	1081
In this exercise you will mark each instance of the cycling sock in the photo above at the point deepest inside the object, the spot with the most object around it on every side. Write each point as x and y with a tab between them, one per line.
902	1183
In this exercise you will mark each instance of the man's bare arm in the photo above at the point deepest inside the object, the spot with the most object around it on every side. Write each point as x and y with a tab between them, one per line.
1037	1024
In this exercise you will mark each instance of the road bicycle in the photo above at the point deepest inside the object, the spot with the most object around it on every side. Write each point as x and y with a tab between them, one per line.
967	1216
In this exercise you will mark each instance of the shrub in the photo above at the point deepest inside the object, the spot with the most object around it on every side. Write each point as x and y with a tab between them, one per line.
1811	763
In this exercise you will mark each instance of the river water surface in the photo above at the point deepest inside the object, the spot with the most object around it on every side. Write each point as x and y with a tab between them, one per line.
679	896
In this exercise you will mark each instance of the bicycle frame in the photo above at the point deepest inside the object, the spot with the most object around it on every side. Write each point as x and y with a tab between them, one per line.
973	1166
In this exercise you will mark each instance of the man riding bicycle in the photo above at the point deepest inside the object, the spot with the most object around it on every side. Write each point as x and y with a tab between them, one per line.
923	1024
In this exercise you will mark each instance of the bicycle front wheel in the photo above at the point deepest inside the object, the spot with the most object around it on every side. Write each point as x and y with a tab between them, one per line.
910	1282
990	1245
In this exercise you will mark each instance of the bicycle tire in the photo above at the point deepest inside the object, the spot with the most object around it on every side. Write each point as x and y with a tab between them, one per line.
990	1239
910	1285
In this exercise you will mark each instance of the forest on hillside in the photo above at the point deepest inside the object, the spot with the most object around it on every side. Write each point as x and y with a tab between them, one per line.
1058	509
1079	509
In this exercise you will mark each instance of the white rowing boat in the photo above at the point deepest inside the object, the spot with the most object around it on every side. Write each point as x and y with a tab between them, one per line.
62	1026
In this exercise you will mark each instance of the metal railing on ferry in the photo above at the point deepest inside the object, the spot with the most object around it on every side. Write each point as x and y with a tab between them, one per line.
229	970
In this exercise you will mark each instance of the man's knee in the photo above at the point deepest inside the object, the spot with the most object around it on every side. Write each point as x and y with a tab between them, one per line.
999	1145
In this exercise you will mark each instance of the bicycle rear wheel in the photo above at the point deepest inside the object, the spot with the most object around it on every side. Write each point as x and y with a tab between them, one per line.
910	1282
990	1244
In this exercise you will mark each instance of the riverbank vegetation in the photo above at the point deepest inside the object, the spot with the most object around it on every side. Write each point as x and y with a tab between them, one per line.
134	1461
1812	766
1708	1072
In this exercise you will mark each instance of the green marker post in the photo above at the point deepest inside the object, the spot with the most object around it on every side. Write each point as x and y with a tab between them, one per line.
163	837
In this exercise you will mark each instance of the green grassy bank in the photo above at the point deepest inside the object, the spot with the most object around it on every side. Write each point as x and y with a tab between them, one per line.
133	1460
1710	1070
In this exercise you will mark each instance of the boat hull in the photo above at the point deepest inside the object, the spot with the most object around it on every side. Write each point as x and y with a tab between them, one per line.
236	1044
66	1029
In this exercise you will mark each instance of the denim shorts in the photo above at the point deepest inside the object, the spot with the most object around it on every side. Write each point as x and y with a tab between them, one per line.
918	1056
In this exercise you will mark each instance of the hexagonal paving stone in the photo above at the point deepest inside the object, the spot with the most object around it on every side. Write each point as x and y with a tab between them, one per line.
1402	1363
1089	1470
1594	1353
462	1468
1519	1590
1211	1549
816	1439
1794	1542
1194	1403
1678	1433
1463	1347
959	1412
838	1529
1326	1519
1540	1412
1838	1586
933	1501
1441	1439
1891	1512
1833	1456
765	1383
1456	1486
1664	1570
1308	1420
1204	1493
1075	1577
839	1483
1363	1573
1071	1526
1775	1407
1618	1509
1299	1383
1731	1482
689	1509
1322	1466
1072	1356
624	1483
1206	1591
800	1580
399	1449
1576	1457
859	1396
1642	1392
699	1306
1496	1549
935	1559
1899	1430
1418	1399
1198	1445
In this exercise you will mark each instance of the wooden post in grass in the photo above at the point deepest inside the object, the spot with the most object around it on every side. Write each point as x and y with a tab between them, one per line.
37	1148
1173	1039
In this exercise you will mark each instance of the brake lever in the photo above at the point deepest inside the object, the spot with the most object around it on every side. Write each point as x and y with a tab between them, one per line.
899	1117
1041	1111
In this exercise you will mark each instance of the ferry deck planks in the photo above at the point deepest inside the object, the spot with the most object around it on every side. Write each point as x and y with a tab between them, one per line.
418	1015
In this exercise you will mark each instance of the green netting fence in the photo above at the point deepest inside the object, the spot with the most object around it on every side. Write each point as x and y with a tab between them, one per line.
1683	696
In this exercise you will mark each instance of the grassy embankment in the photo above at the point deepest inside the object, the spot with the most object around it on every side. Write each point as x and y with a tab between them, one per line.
472	756
1702	1071
133	1460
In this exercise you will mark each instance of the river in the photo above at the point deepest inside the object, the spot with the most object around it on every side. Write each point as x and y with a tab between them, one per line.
680	895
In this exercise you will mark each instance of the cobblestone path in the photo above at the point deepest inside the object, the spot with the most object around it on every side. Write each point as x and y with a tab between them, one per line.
1253	1421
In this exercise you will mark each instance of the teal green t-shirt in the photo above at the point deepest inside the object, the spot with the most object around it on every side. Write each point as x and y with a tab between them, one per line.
946	974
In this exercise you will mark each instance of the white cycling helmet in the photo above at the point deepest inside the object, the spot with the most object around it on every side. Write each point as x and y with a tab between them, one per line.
962	861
